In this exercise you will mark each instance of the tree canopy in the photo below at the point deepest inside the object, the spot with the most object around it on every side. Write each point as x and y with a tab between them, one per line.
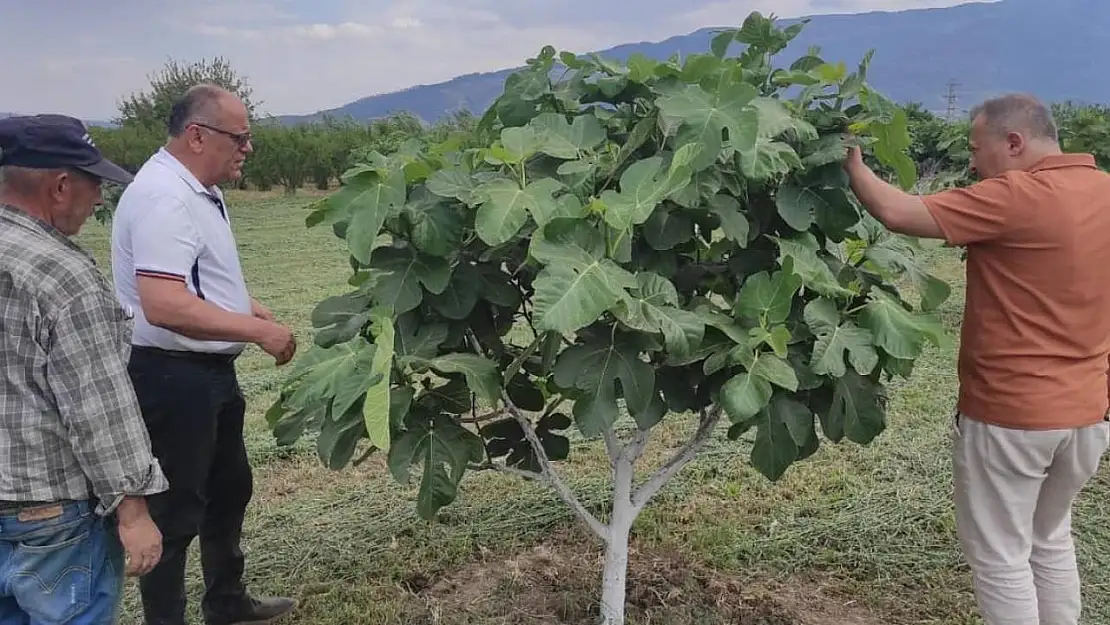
617	245
150	109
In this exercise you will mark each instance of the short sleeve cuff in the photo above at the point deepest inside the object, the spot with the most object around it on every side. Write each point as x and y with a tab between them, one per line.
939	215
984	211
148	272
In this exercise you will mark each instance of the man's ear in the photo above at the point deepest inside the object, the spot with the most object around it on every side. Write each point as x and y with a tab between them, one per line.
195	136
60	182
1015	142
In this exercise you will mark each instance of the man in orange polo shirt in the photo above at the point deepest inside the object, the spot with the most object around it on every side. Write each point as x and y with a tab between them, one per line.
1031	424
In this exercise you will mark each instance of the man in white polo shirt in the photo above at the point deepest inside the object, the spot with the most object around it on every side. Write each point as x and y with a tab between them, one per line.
176	265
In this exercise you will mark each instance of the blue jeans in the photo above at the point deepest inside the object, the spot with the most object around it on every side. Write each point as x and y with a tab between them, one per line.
62	570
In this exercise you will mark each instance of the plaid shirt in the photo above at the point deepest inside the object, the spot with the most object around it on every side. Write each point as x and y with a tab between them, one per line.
70	427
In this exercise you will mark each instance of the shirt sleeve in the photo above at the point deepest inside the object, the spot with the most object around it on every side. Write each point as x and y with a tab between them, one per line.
164	239
982	212
87	375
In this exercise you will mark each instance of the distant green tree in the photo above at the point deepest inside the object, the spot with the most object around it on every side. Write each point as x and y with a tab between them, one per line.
1085	128
128	146
151	109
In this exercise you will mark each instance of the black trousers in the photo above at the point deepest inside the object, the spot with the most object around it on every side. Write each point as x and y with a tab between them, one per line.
194	411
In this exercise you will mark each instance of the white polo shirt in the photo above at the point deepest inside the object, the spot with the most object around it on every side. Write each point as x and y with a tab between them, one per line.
168	225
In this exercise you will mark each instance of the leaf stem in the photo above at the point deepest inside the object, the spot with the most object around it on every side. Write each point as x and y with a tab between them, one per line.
551	408
518	362
528	314
365	456
474	343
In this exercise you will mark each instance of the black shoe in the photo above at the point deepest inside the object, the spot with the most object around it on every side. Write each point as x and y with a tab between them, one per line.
254	612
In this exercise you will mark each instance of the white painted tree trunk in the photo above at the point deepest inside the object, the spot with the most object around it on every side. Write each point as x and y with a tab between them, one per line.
614	577
627	504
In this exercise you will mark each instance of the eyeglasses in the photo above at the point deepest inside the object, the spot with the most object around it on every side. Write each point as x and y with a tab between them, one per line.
240	138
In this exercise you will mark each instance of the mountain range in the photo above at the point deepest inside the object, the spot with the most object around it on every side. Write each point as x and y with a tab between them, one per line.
88	122
953	56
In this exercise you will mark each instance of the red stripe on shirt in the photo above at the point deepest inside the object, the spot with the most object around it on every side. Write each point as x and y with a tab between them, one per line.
161	275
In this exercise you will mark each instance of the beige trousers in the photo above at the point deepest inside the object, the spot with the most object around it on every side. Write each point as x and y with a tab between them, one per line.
1013	496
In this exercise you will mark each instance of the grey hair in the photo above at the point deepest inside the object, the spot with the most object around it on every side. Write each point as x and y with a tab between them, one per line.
16	180
1018	112
200	103
21	180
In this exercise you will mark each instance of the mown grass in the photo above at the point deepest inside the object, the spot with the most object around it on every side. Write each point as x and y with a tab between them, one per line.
852	533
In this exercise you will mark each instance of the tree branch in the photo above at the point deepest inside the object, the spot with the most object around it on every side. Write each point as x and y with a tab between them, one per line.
549	473
482	418
707	423
613	446
635	447
500	468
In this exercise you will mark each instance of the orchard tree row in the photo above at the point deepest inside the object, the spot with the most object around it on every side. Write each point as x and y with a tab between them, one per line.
285	156
939	146
292	156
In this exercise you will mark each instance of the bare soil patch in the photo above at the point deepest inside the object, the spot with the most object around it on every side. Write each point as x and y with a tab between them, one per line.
558	582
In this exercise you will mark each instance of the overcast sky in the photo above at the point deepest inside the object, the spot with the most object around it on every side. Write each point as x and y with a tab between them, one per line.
80	56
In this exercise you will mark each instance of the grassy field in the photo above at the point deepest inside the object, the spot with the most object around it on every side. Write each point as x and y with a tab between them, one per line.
852	536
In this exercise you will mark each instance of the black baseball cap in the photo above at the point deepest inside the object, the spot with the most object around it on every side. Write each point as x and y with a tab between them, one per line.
50	141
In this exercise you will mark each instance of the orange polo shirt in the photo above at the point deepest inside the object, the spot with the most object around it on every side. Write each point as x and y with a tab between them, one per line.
1035	340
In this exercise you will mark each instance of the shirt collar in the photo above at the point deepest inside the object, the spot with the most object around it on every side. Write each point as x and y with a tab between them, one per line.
22	219
1060	161
164	157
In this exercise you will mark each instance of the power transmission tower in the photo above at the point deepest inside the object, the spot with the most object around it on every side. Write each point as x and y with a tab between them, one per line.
951	98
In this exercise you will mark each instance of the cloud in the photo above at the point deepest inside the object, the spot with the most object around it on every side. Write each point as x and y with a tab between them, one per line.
307	55
405	22
216	30
329	31
408	42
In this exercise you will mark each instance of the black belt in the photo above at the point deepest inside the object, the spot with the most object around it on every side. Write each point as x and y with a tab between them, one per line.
201	357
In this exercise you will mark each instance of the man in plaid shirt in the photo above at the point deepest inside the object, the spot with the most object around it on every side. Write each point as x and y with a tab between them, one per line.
75	458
